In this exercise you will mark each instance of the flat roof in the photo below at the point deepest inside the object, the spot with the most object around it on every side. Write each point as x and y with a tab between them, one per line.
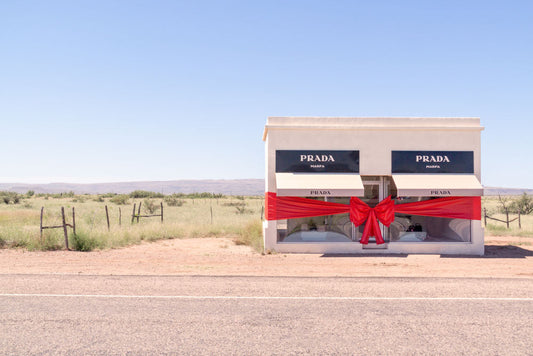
372	123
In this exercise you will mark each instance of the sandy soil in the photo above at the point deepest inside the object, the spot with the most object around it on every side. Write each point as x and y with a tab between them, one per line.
505	256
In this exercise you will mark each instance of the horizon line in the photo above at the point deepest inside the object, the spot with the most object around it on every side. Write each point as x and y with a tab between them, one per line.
121	181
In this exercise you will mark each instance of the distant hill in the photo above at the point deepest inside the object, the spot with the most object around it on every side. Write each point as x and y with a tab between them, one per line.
222	186
506	191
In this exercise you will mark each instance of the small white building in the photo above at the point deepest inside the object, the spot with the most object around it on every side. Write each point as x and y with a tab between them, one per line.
433	164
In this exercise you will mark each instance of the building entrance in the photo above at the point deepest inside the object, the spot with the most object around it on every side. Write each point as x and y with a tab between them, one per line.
376	189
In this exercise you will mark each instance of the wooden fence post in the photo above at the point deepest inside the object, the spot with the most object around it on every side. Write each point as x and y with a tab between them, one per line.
119	217
507	215
263	208
519	223
73	221
161	212
107	217
139	212
133	214
64	227
485	214
211	208
41	226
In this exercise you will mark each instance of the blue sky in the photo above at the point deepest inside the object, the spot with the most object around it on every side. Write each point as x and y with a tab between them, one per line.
98	91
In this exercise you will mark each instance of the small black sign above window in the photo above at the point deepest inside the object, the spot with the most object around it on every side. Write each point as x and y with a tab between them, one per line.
294	161
432	162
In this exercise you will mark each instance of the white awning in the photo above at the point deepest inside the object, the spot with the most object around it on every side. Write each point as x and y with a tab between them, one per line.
319	184
437	185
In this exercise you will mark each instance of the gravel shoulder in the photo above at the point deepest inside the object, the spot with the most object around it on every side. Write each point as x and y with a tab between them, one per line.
505	257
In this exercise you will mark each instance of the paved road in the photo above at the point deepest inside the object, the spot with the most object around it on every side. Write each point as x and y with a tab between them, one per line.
65	314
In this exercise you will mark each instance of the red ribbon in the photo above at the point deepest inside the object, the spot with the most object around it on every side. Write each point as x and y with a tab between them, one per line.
297	207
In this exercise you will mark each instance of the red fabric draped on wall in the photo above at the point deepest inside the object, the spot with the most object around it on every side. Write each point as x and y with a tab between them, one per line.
279	208
295	207
452	207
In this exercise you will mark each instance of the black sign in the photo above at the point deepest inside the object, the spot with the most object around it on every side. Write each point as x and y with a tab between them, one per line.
432	162
288	161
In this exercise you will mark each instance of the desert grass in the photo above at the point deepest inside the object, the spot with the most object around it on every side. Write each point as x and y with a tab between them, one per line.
497	228
235	217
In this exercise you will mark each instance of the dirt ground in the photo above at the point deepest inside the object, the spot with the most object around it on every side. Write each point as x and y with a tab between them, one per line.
505	257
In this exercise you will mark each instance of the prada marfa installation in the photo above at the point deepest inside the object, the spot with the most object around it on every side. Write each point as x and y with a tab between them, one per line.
373	185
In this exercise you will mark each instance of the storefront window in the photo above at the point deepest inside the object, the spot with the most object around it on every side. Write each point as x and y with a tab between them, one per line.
415	228
327	228
404	228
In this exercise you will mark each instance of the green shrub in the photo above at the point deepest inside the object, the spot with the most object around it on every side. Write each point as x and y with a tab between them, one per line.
121	199
204	196
99	199
108	195
172	200
51	243
145	194
523	204
10	197
84	243
79	199
62	195
150	206
251	235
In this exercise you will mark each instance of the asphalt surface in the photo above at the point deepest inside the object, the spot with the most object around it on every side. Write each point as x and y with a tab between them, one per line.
136	315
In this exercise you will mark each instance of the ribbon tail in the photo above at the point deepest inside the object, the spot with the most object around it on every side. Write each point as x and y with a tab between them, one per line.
377	232
372	229
366	233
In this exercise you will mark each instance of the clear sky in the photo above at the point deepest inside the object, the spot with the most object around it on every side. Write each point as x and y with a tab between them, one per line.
99	91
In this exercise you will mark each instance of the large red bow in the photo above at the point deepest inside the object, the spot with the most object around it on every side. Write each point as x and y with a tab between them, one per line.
361	212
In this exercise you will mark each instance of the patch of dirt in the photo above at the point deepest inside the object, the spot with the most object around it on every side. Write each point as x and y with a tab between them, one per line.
509	240
505	257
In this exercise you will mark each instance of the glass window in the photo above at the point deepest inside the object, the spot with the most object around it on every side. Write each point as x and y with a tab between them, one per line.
416	228
327	228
